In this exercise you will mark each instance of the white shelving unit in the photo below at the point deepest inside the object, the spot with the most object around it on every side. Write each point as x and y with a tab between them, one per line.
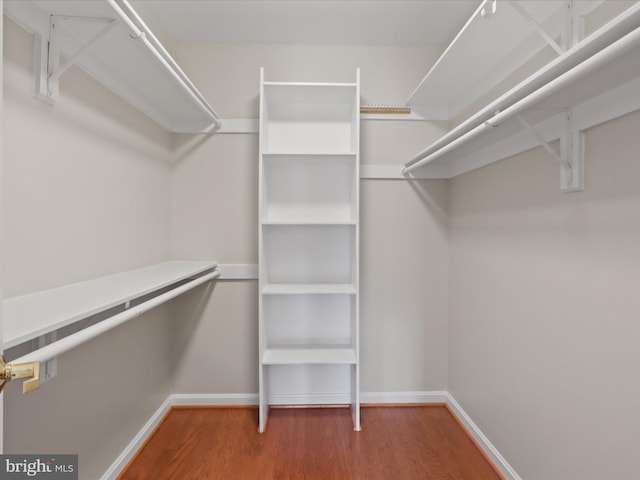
28	317
309	237
109	41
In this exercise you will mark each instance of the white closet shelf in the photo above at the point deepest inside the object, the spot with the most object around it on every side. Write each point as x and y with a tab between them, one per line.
309	222
29	316
312	355
602	84
109	41
464	72
309	289
309	154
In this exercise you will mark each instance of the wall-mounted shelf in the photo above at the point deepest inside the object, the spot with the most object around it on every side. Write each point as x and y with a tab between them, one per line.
596	81
28	317
489	47
110	42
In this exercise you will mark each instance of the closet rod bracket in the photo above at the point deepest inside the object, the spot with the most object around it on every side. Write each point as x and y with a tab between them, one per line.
47	54
570	156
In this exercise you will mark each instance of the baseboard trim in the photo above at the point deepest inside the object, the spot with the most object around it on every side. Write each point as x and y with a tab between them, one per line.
138	441
481	439
403	397
371	398
207	399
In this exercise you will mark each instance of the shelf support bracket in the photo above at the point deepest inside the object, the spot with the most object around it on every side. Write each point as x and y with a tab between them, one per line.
536	26
571	154
574	27
47	54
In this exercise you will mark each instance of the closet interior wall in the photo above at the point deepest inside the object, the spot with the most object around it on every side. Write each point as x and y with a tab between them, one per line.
544	308
543	327
85	194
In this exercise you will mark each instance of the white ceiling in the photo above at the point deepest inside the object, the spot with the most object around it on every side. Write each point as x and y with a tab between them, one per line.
351	22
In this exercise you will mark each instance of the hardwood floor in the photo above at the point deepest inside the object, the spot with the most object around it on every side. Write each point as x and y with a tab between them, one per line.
399	443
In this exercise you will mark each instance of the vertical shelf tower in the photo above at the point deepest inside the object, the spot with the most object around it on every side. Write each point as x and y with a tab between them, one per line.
309	245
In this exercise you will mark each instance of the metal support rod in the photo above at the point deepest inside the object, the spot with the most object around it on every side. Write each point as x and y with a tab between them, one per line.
72	60
59	347
163	51
619	47
163	57
541	31
544	143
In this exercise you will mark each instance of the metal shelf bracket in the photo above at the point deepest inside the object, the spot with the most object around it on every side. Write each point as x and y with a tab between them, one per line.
571	154
47	55
536	26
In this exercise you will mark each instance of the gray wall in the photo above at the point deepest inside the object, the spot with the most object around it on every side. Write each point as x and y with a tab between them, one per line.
86	193
544	331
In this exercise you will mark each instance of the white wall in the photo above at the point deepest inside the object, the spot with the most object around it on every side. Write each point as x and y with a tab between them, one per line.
86	193
215	205
544	331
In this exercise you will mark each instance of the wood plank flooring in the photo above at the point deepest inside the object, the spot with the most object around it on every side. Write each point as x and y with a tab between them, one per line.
398	443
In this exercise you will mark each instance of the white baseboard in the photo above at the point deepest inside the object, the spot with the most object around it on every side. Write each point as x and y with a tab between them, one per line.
482	440
127	454
204	399
404	397
293	399
365	397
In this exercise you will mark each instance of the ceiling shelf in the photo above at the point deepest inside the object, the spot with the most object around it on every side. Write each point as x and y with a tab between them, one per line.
110	42
595	81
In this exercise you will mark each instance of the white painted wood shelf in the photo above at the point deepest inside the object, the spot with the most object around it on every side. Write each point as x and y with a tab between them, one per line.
309	289
29	316
307	189
466	70
316	355
308	243
595	81
127	58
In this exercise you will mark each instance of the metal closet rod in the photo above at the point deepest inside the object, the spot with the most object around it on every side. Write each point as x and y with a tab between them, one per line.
151	42
474	125
63	345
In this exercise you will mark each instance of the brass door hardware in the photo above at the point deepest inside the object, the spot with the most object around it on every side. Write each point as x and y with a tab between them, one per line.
30	370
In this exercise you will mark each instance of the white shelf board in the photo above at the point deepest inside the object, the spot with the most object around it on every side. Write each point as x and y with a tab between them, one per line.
310	84
310	93
268	154
486	50
120	62
308	153
610	74
28	316
309	289
317	355
308	222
